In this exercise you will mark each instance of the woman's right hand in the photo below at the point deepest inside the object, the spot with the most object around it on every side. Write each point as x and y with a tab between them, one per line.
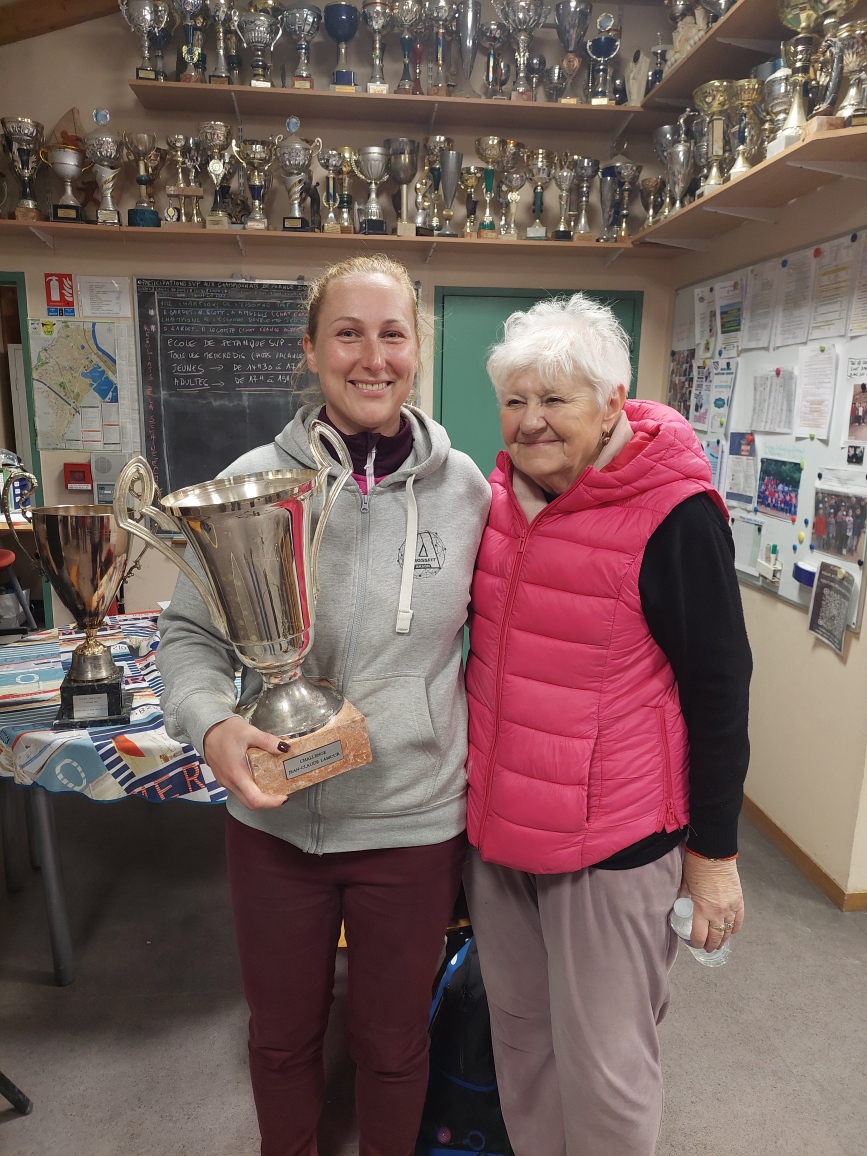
225	751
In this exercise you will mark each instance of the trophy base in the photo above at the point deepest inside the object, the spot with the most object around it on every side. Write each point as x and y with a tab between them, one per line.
377	88
487	234
373	228
108	216
856	119
344	80
218	79
93	704
302	82
784	141
600	100
404	229
339	746
562	235
437	90
217	221
331	228
296	225
424	231
344	88
526	97
255	224
143	218
66	213
537	233
145	74
25	213
346	229
258	82
568	100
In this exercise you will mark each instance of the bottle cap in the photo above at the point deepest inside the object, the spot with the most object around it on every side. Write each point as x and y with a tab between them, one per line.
683	908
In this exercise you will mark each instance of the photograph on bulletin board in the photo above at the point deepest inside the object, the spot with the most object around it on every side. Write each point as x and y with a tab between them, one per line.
680	380
856	382
779	483
839	524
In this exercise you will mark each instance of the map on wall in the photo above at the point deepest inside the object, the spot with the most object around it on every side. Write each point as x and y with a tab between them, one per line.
82	391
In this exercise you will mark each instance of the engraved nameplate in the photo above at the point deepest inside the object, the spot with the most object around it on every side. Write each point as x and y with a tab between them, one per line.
311	760
90	706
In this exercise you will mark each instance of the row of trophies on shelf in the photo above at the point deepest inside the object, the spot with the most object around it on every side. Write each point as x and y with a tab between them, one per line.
440	22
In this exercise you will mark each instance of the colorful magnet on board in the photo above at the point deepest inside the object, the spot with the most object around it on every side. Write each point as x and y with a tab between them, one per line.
817	252
806	521
802	465
821	348
795	547
794	518
812	546
800	535
778	371
812	437
784	262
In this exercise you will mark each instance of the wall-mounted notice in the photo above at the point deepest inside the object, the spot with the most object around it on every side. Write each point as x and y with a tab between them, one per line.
104	297
840	521
858	308
680	374
714	451
829	606
779	483
742	472
218	362
723	382
761	290
705	322
796	298
747	534
729	298
817	374
834	267
855	417
774	401
699	410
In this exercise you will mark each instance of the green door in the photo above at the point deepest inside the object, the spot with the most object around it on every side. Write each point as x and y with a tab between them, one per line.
470	321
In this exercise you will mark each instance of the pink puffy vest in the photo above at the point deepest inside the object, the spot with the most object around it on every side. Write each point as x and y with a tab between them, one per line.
578	747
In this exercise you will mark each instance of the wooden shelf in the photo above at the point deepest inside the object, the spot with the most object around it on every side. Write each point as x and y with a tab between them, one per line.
58	233
714	57
209	100
765	188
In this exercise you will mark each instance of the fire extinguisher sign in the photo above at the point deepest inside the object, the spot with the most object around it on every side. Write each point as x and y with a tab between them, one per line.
59	295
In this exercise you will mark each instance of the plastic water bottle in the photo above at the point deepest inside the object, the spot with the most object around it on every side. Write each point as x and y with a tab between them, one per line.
681	924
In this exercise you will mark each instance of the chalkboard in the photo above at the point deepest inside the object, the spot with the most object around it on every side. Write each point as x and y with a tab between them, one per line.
217	362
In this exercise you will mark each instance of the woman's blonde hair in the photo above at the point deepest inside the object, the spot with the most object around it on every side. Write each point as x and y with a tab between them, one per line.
376	264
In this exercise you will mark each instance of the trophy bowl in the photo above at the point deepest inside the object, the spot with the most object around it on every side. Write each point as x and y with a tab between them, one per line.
572	18
68	162
341	24
663	138
713	97
403	165
652	193
491	150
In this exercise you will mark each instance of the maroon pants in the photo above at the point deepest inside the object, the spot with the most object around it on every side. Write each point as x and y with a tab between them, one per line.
288	906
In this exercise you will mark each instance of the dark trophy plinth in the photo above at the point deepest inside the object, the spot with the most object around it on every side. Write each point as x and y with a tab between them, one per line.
296	225
66	213
93	704
373	228
143	218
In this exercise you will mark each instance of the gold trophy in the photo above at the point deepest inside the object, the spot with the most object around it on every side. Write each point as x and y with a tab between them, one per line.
84	555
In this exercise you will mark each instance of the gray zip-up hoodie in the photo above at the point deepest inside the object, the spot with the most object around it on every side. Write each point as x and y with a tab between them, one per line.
388	636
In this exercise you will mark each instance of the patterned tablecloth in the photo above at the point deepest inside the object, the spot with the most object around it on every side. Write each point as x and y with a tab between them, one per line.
104	763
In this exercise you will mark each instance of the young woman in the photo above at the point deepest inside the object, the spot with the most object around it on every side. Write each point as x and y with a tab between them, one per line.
382	846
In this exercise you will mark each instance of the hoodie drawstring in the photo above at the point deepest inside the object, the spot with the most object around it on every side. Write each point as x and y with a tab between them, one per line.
404	607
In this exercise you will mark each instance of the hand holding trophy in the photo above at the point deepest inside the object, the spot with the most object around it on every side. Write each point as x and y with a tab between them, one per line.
251	536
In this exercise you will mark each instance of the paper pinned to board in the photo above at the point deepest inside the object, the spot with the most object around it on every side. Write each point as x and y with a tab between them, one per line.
795	299
747	535
834	269
729	304
760	298
817	377
829	606
774	401
742	477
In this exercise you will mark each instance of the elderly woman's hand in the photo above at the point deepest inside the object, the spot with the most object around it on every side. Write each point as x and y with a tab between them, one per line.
225	753
715	890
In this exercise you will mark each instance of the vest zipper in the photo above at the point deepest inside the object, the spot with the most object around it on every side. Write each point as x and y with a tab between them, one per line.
667	813
501	661
355	630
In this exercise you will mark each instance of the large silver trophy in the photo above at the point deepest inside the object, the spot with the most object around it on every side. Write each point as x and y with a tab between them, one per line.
22	140
84	556
469	17
259	30
378	17
221	13
522	18
68	162
146	18
215	137
403	165
251	536
302	23
104	148
295	156
371	164
571	18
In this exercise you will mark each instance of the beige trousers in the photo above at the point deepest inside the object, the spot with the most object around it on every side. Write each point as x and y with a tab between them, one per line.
576	971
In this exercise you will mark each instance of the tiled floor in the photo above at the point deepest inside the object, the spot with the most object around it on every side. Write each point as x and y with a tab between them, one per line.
145	1052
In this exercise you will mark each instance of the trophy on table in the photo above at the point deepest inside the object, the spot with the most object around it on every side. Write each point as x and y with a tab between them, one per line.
602	49
468	20
256	157
22	140
139	147
586	170
301	23
84	555
407	14
627	173
145	18
331	161
494	36
221	14
471	175
652	193
540	163
295	157
215	138
450	167
438	13
713	100
378	17
341	24
259	30
68	162
571	18
403	165
251	535
104	148
192	17
565	179
371	164
522	18
490	150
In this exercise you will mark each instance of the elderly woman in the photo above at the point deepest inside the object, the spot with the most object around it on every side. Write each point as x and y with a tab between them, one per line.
608	684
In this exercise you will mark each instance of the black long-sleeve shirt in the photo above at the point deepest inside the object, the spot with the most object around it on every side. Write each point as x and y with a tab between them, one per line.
691	600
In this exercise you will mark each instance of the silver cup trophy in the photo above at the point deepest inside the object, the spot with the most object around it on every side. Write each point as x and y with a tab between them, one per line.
586	170
260	31
571	18
522	18
251	536
146	18
371	164
450	169
403	165
469	18
84	555
256	157
295	156
331	161
68	162
215	138
378	17
221	14
104	148
302	23
565	179
22	140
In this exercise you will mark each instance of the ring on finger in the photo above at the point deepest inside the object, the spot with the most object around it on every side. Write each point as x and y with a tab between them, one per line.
721	928
728	926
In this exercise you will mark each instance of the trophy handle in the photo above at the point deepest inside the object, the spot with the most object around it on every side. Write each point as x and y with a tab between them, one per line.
829	97
25	513
317	432
133	502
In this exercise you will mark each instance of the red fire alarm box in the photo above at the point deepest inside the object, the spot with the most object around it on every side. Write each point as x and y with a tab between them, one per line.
77	476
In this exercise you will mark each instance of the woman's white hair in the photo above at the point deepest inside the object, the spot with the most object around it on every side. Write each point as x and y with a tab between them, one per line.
564	341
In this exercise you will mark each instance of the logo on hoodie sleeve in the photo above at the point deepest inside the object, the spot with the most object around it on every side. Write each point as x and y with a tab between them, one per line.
430	554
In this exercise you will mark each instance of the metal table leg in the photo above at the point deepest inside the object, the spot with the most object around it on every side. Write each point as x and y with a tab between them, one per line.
10	833
52	879
15	1096
32	839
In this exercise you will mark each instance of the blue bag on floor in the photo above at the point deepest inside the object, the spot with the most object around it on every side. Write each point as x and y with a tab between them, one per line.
462	1110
